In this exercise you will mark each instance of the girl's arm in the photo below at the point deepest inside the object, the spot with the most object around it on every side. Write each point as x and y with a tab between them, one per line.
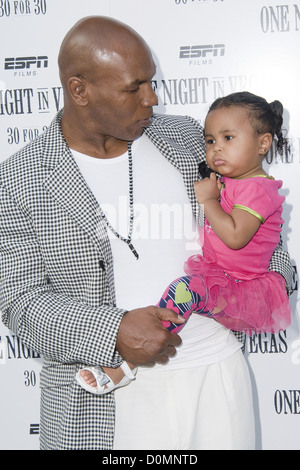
235	229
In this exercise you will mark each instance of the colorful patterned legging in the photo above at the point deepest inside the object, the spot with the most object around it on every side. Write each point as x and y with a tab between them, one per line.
185	295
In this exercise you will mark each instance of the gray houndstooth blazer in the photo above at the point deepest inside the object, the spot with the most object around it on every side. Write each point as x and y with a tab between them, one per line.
57	283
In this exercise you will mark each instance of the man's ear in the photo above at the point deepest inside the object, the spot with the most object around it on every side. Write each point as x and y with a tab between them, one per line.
265	143
77	90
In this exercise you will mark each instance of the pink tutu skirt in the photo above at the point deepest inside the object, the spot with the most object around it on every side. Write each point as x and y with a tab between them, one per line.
252	306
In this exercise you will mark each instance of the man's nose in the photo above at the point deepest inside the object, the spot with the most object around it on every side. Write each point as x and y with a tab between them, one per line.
149	98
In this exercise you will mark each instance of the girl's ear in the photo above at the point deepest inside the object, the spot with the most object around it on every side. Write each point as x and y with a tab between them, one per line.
265	143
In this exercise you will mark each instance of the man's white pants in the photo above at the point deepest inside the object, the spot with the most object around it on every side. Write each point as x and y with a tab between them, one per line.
208	407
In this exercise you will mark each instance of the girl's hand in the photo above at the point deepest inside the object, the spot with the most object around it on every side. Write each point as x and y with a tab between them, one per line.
208	188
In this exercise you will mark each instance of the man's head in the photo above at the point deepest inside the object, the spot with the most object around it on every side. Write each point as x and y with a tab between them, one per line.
106	70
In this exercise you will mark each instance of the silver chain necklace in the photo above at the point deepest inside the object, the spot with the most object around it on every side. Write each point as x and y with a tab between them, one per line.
127	240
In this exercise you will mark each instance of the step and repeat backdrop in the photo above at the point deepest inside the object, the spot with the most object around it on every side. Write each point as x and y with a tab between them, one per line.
203	49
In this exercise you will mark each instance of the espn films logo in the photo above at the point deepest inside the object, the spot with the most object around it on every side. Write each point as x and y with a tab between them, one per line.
202	51
25	63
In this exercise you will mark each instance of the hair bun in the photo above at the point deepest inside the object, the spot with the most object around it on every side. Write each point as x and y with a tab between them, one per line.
277	108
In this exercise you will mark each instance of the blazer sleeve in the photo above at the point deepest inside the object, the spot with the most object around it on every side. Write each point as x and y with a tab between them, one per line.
62	329
281	263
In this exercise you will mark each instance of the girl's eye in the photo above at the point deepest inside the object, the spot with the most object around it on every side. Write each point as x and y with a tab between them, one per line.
228	137
210	141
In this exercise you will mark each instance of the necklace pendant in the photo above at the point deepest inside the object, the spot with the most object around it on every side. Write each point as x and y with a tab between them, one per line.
133	250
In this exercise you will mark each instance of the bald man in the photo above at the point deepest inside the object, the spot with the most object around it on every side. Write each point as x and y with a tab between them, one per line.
84	249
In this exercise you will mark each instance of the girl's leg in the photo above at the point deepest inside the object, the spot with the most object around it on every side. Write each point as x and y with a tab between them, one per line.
184	295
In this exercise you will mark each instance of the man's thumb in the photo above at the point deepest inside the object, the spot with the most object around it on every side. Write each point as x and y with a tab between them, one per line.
167	314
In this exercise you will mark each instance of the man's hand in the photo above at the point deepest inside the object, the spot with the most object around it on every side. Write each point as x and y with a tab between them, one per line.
143	340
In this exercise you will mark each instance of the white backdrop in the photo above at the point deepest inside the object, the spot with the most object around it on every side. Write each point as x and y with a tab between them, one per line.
203	49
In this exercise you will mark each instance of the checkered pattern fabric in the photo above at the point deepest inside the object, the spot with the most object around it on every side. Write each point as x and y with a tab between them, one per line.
56	284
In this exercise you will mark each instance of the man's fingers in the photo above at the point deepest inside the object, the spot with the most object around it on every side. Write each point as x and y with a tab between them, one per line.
167	314
142	338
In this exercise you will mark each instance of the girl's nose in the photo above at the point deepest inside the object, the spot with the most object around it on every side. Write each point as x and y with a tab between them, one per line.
216	147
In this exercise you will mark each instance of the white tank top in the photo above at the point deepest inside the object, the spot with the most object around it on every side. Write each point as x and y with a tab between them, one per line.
164	235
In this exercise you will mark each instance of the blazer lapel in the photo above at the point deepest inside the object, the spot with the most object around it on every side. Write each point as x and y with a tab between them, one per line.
67	186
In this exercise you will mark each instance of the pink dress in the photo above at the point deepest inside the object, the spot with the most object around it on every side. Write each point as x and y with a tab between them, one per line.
240	291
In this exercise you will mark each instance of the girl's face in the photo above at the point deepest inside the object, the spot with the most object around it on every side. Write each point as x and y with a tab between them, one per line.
232	147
